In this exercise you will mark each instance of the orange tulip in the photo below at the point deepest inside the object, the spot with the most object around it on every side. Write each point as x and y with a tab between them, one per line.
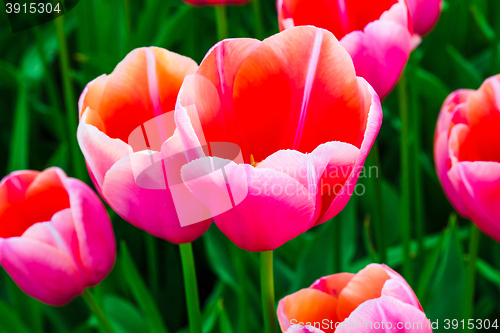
342	298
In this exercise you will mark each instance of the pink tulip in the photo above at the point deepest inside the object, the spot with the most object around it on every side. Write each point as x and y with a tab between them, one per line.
291	102
55	235
467	155
377	34
425	14
126	135
215	2
348	302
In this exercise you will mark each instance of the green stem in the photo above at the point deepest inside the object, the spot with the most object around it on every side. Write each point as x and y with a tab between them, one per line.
267	291
378	213
417	175
337	246
471	274
152	260
70	101
405	179
258	20
96	310
221	18
191	287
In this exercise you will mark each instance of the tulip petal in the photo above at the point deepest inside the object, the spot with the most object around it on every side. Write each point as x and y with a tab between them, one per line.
398	288
93	230
307	306
12	193
41	270
333	284
152	210
99	150
366	284
385	314
478	184
142	86
374	122
425	14
297	73
275	209
379	53
329	165
45	196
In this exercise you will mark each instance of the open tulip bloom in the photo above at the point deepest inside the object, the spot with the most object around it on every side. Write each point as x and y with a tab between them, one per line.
55	235
467	155
373	300
126	132
303	124
377	34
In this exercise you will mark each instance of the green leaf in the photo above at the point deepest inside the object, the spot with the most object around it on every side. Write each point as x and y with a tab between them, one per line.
10	321
19	145
482	23
218	252
446	291
8	75
224	322
123	315
488	272
140	292
466	72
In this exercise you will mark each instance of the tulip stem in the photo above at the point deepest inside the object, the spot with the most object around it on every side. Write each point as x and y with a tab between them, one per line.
337	245
267	291
96	310
70	102
418	186
378	213
258	21
471	279
191	287
405	179
221	18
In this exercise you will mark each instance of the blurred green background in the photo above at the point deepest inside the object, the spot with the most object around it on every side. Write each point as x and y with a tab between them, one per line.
144	293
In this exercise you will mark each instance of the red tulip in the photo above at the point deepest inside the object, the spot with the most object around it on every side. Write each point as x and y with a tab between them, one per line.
126	135
291	102
55	235
377	34
346	302
467	155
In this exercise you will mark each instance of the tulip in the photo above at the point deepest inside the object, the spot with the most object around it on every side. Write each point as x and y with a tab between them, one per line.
467	155
55	235
126	134
425	14
377	34
292	103
340	302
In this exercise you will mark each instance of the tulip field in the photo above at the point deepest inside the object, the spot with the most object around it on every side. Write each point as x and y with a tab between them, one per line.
223	166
